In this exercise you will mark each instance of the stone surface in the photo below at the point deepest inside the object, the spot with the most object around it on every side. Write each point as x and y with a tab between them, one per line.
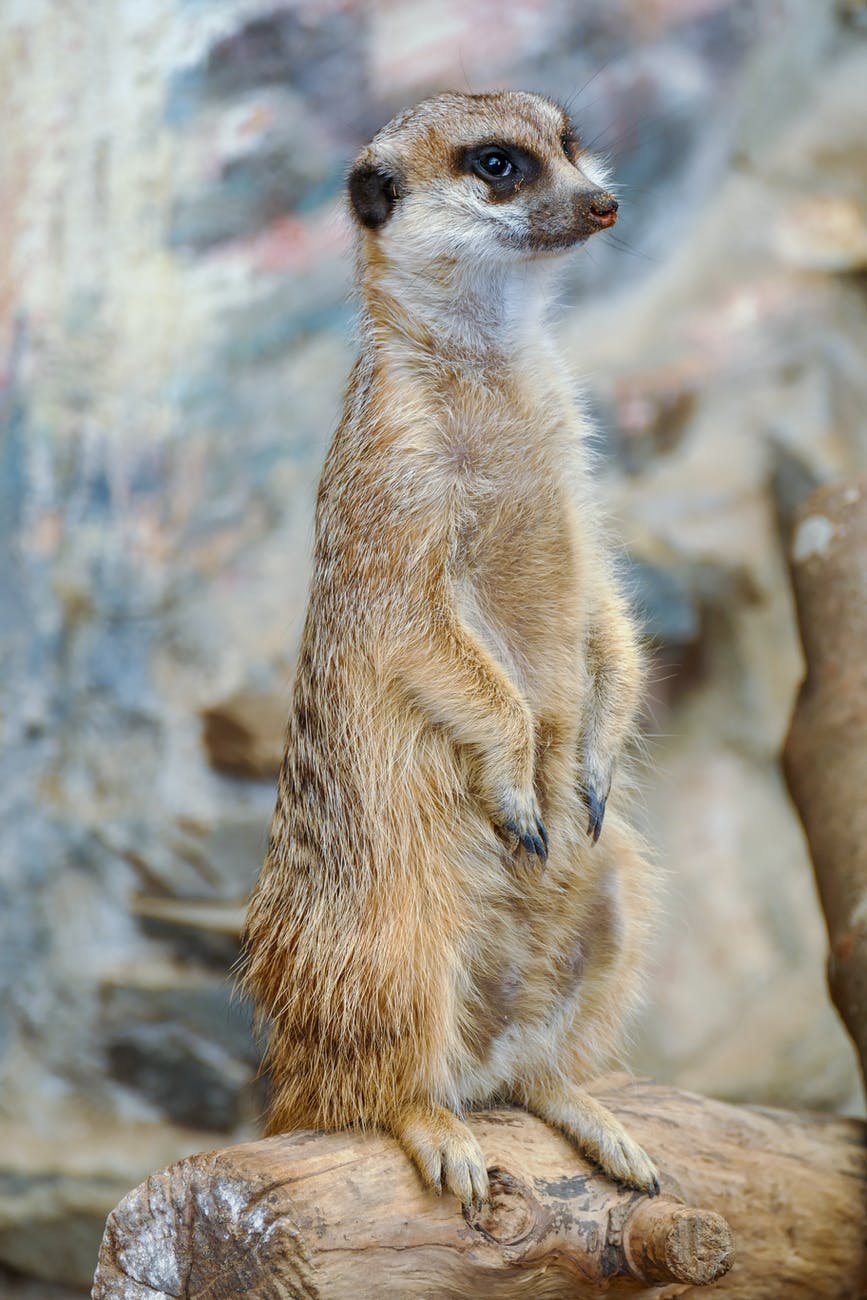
17	1286
175	1035
245	735
60	1179
175	332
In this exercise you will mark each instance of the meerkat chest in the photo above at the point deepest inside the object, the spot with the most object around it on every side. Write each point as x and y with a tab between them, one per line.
516	556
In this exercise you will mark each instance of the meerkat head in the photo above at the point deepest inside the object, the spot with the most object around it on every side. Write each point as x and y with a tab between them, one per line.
481	179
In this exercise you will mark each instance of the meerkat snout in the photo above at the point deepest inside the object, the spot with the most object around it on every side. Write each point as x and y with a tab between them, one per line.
603	210
594	209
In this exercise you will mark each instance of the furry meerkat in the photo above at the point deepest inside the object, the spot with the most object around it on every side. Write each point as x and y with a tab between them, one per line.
435	926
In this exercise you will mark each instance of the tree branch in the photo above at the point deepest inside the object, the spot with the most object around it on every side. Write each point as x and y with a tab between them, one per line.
341	1215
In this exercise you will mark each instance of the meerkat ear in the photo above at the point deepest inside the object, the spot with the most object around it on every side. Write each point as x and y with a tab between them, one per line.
373	191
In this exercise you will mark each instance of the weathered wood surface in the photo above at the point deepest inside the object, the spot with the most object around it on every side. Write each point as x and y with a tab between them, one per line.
826	750
338	1215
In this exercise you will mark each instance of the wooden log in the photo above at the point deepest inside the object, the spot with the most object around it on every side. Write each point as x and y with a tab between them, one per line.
825	756
339	1215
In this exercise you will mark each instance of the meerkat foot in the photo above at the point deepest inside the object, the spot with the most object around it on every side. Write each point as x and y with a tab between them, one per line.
444	1151
600	1136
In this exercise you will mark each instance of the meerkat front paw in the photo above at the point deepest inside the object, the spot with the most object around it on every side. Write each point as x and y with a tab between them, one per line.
506	787
445	1152
521	817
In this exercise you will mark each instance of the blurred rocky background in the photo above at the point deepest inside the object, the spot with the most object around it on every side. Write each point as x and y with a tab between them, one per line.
175	332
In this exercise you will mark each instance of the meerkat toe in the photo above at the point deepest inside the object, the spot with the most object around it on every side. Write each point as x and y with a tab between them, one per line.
428	1160
463	1170
626	1162
524	821
445	1152
534	841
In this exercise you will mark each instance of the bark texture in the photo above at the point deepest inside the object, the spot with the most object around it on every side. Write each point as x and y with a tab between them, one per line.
826	750
336	1216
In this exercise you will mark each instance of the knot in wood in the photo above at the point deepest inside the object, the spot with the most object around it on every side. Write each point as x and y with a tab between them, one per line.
509	1215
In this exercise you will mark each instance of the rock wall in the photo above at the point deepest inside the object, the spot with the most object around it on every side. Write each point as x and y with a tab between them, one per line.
175	331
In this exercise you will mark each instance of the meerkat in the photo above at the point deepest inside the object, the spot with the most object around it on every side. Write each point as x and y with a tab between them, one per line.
435	926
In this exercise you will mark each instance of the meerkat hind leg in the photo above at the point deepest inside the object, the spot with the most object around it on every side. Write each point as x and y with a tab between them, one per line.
444	1150
597	1133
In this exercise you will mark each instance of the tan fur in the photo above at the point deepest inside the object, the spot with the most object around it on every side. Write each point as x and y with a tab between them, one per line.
468	671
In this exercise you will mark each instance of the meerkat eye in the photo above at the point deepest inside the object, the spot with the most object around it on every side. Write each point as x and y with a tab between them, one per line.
504	168
494	164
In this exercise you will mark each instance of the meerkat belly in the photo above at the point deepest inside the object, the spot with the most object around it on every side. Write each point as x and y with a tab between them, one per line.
530	973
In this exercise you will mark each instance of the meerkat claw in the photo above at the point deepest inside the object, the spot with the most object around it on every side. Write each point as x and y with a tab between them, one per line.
596	809
544	835
540	847
534	841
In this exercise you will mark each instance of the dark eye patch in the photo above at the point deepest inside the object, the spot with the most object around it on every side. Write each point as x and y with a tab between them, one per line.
504	167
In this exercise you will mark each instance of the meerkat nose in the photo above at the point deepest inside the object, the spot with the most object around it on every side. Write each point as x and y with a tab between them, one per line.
603	210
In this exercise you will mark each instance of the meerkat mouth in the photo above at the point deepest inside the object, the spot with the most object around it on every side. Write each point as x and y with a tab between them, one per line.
562	242
553	231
